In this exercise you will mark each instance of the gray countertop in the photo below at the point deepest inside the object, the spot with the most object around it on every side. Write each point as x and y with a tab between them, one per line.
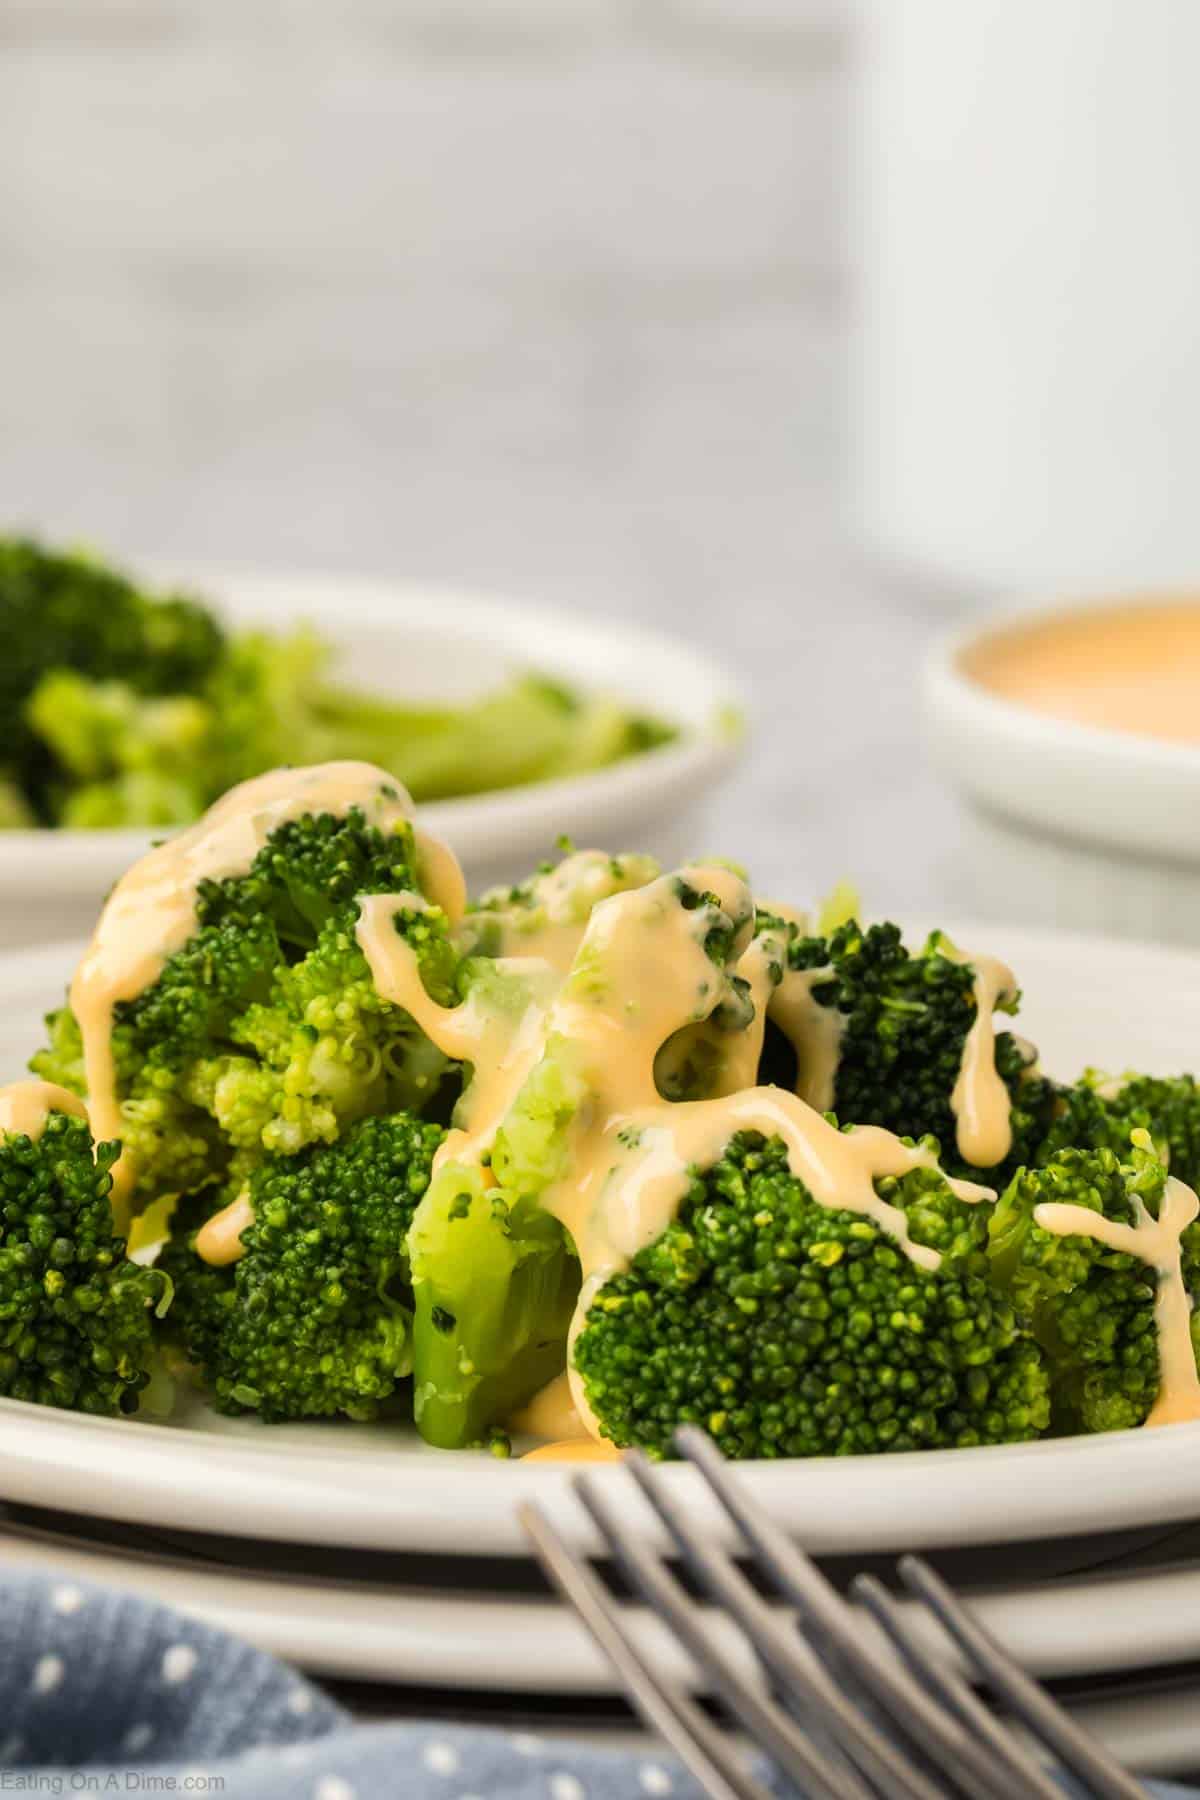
550	299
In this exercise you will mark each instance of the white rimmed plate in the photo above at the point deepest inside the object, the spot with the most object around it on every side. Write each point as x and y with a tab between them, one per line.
435	1636
1090	1000
459	1642
422	643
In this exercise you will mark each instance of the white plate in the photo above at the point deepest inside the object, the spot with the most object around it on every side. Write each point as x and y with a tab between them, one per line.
434	644
376	1487
432	1639
441	1637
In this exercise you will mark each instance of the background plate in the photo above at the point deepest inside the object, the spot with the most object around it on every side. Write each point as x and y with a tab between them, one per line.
420	643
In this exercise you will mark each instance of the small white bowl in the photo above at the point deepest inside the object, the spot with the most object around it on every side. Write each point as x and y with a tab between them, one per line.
1069	824
423	643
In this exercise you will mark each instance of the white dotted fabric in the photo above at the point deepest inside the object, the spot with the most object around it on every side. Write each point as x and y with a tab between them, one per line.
102	1684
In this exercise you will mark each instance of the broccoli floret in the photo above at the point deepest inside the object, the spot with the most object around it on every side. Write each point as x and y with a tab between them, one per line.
124	758
275	702
264	1031
787	1329
495	1282
529	730
266	694
68	612
1092	1307
74	1325
1099	1113
495	1276
124	708
314	1318
905	1019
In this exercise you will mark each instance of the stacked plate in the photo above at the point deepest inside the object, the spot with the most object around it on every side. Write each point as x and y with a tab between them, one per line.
372	1559
367	1558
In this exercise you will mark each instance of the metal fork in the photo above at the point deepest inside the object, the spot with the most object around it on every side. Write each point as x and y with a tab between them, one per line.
846	1713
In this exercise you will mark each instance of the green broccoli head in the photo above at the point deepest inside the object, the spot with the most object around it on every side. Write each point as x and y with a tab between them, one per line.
314	1318
1100	1113
905	1019
74	1325
1092	1306
264	1032
124	758
266	693
787	1329
66	611
495	1274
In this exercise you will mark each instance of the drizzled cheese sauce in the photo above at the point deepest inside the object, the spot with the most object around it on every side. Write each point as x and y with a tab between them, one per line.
575	1450
643	975
980	1101
219	1239
1156	1242
551	1414
814	1032
551	923
26	1105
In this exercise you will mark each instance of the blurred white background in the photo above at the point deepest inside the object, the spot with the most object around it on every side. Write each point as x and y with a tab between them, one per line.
546	296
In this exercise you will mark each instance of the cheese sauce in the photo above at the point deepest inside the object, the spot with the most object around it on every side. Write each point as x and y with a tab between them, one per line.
1156	1242
980	1101
551	1414
814	1032
26	1105
551	923
151	912
219	1239
1126	667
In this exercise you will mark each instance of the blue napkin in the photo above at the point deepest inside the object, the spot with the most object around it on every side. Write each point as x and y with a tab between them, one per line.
104	1692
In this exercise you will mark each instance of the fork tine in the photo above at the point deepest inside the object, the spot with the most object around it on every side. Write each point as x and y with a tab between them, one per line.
926	1729
890	1765
773	1730
954	1691
663	1705
1079	1753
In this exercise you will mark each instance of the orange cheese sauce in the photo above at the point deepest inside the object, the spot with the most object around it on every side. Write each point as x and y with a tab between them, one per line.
575	1450
1132	667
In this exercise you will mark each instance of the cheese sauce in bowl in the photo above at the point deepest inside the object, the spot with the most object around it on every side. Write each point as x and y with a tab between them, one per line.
1073	732
1126	667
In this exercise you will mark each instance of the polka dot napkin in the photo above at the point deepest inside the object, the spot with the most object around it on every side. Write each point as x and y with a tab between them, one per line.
102	1692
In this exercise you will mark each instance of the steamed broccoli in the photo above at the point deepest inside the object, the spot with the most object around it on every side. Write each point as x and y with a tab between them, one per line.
905	1018
264	1032
1092	1308
494	1281
531	729
1100	1113
74	1321
495	1276
66	611
124	708
788	1329
314	1318
122	758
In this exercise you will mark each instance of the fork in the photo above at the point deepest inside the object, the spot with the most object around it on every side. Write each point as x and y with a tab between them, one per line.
844	1712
